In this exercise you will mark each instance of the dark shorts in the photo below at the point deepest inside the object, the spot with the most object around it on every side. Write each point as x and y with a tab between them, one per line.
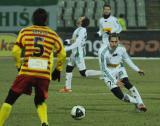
23	85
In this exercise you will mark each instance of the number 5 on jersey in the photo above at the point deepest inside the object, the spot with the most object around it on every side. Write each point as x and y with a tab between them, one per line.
38	45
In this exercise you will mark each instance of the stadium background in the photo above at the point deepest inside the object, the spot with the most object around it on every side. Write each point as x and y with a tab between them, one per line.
102	108
142	17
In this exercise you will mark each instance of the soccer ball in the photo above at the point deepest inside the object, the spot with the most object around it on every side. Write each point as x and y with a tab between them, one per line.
78	112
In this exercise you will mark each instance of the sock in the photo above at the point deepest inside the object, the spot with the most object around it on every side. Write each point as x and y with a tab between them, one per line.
68	80
136	94
5	112
128	98
92	73
42	113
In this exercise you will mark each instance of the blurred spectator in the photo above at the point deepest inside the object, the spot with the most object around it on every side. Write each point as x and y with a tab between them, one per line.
122	22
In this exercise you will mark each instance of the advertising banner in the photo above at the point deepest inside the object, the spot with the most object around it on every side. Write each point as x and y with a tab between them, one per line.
6	43
13	18
137	43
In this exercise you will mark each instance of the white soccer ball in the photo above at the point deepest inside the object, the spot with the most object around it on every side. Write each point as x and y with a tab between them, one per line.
78	112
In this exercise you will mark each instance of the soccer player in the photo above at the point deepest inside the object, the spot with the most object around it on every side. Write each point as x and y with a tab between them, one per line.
107	24
77	56
39	42
115	75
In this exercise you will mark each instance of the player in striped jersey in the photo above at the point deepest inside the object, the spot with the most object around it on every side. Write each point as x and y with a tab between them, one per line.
39	42
115	74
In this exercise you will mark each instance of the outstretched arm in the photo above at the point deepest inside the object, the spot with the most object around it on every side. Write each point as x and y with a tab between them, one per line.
77	42
128	60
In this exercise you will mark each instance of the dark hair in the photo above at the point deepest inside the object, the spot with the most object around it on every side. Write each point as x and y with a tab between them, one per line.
114	35
121	15
85	22
40	17
106	5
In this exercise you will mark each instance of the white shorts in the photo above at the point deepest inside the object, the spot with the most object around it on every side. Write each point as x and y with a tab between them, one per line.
119	73
77	61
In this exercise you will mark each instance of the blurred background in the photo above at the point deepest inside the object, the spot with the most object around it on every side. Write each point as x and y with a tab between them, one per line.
142	17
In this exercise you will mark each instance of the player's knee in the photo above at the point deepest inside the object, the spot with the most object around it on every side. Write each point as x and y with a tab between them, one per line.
38	100
83	73
118	93
69	69
127	83
12	97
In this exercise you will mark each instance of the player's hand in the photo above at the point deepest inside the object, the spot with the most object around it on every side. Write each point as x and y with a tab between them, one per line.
96	35
67	42
120	83
18	69
56	75
141	73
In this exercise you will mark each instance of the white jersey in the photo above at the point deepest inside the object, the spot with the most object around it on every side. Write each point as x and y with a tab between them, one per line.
79	40
112	60
110	24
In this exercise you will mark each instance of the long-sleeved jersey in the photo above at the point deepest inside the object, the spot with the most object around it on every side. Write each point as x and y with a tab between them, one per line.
79	38
111	25
39	43
112	59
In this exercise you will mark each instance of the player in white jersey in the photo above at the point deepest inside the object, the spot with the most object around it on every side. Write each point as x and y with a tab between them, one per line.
77	56
107	24
112	58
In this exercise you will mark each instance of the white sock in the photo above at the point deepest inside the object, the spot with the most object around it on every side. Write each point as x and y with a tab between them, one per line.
136	95
128	98
68	80
92	73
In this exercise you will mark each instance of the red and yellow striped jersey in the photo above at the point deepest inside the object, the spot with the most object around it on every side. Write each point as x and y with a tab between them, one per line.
39	42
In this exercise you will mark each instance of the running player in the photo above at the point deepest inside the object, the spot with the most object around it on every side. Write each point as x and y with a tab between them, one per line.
115	74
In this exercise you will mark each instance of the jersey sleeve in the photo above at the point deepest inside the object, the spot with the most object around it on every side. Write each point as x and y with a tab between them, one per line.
17	49
79	39
127	59
118	27
106	72
16	52
100	32
20	39
60	53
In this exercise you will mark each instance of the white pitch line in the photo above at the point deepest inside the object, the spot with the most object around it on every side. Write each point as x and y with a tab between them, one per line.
93	94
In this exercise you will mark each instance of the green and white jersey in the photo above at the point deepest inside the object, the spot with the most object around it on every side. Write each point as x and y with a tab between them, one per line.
112	59
111	25
79	40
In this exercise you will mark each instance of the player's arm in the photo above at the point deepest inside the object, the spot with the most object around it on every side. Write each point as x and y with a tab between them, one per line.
77	42
17	50
99	33
128	60
106	72
118	27
61	58
60	53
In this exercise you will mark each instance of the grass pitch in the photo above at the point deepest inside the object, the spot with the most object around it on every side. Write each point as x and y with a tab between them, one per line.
102	108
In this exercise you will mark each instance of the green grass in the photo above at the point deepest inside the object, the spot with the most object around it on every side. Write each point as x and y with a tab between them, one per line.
102	108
